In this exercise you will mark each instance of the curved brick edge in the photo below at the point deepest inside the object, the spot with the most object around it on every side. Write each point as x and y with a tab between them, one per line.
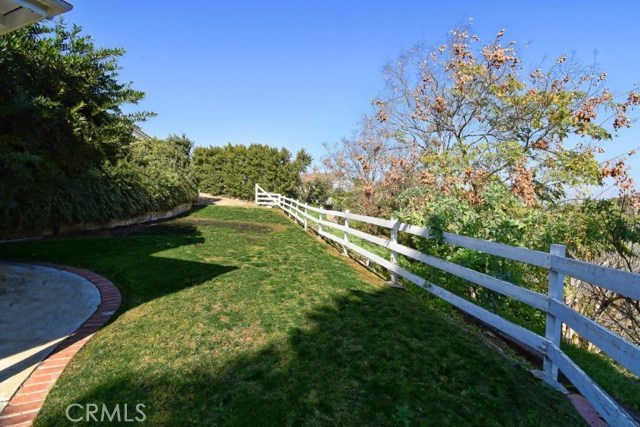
25	405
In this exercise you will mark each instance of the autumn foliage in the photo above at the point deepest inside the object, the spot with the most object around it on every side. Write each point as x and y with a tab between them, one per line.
467	138
472	113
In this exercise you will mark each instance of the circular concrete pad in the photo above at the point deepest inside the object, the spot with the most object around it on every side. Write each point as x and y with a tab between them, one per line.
39	307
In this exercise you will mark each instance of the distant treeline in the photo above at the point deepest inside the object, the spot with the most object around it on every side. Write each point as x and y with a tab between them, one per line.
233	170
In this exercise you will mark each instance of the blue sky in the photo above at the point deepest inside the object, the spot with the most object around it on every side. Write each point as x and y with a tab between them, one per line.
301	73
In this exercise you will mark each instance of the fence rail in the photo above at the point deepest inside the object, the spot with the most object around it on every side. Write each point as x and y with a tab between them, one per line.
622	282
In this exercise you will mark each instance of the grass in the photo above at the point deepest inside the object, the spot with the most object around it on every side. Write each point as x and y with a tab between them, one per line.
237	317
619	382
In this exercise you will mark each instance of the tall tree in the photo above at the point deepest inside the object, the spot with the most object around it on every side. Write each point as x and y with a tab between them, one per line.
492	149
476	114
66	148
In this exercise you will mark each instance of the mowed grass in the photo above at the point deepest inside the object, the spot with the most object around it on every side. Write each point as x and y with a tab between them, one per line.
237	317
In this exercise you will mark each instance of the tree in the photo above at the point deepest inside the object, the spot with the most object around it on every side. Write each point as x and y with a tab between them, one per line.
316	191
66	148
475	115
379	166
492	149
233	170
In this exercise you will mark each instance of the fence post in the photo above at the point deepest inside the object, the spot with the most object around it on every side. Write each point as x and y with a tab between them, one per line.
305	215
256	191
554	325
394	254
319	225
346	235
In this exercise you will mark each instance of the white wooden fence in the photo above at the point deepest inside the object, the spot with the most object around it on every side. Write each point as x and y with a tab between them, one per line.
622	282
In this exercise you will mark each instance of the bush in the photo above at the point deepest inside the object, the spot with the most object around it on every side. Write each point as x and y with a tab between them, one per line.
233	170
67	154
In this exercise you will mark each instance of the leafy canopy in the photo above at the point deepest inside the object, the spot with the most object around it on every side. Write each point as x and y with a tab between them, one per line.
474	114
66	147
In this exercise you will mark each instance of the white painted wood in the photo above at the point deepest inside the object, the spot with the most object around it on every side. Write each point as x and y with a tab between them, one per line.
33	6
528	256
380	241
622	282
375	258
357	233
336	214
265	198
387	223
624	352
311	217
290	210
306	214
553	326
302	211
333	225
516	332
56	7
297	218
19	18
394	254
314	209
346	232
608	409
527	296
293	207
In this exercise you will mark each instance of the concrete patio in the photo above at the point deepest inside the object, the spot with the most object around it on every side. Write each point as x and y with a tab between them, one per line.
39	307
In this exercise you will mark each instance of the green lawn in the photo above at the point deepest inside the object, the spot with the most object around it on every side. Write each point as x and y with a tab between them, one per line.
237	317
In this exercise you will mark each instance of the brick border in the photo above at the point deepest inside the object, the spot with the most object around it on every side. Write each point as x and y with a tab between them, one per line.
26	403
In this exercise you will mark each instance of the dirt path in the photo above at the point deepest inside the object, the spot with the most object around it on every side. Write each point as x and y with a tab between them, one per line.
208	199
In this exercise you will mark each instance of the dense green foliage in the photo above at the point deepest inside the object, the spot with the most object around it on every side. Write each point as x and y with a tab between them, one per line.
587	229
153	176
317	191
237	317
233	170
66	148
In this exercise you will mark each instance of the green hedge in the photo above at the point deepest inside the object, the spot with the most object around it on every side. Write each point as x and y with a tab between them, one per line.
233	170
67	154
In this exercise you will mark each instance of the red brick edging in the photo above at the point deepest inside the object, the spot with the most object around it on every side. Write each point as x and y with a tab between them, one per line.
28	400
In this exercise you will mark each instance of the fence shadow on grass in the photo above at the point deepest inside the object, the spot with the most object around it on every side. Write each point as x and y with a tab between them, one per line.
369	358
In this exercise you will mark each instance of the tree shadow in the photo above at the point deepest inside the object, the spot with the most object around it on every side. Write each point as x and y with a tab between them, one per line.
134	263
375	358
